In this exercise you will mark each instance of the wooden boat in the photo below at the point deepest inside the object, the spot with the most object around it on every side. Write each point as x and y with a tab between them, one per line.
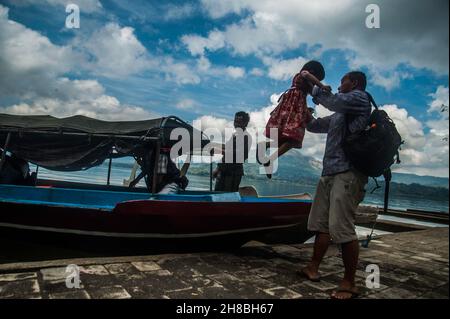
116	215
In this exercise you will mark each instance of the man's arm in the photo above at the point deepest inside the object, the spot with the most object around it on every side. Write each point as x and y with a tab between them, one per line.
320	125
351	102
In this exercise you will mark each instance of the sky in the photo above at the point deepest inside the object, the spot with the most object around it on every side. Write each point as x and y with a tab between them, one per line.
204	60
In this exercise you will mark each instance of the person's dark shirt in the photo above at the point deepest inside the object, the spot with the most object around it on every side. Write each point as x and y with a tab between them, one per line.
236	153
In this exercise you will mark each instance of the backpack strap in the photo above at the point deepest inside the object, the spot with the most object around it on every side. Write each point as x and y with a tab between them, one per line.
371	100
387	180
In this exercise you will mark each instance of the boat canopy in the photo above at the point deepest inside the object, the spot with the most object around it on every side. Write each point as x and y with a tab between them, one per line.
79	142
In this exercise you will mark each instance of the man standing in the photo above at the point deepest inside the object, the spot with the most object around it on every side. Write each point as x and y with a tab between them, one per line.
229	172
341	187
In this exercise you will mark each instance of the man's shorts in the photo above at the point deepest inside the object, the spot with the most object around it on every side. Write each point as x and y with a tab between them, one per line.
335	203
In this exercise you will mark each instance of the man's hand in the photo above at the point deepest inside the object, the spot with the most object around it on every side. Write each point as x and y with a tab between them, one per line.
326	88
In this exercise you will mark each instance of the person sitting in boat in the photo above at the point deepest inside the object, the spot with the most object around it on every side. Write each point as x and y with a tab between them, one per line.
169	179
229	172
15	171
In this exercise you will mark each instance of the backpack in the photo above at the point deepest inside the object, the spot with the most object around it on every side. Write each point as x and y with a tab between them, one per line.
374	150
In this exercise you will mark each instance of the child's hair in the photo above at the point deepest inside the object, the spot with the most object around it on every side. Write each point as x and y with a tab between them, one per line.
315	68
360	78
244	115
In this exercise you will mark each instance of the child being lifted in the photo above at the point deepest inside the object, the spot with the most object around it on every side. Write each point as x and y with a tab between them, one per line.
291	115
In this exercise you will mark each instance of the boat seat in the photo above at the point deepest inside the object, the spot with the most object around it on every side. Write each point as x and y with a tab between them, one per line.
226	197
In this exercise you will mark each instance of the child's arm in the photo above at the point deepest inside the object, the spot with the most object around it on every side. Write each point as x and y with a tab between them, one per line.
314	81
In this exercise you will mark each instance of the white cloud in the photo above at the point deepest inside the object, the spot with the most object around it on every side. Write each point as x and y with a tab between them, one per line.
33	73
197	44
440	98
268	28
103	107
423	153
283	69
256	72
175	12
29	62
186	104
87	6
116	51
235	72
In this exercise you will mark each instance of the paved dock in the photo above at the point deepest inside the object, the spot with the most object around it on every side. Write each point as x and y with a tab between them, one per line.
411	265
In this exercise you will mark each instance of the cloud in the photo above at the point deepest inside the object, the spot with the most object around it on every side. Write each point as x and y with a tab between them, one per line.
235	72
175	12
206	69
86	6
115	51
440	99
197	44
423	153
186	104
256	72
409	32
178	72
33	74
283	69
103	107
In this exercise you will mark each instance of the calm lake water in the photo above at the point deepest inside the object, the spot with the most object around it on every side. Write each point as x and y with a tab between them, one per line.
98	175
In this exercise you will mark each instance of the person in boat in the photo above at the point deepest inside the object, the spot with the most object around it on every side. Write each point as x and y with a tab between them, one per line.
15	171
229	172
169	179
341	187
291	114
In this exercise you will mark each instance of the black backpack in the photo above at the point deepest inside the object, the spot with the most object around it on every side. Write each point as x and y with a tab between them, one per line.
374	150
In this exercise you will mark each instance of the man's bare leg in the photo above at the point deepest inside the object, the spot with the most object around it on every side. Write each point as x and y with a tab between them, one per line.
350	255
321	244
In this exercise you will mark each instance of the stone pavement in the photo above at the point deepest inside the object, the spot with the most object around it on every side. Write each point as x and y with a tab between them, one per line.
411	265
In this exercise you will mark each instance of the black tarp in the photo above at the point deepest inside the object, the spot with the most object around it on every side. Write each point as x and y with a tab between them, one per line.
78	142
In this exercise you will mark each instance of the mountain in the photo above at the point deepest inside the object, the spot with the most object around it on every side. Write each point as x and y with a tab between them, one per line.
409	179
295	167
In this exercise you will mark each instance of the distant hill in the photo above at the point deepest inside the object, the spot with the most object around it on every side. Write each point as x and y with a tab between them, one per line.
297	168
421	180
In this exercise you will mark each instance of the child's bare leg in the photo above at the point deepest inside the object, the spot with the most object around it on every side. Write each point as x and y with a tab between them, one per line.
283	149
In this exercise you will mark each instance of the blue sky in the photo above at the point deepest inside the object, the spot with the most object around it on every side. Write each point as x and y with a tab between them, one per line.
208	59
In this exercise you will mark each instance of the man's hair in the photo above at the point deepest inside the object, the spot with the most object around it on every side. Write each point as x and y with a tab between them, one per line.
360	78
315	68
244	115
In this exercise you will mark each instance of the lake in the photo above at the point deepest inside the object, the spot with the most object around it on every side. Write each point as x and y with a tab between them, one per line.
98	175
